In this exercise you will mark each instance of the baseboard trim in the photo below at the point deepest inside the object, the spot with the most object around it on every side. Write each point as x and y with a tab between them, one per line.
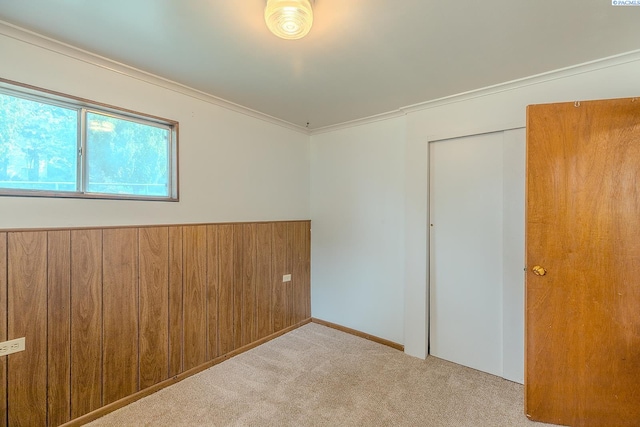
104	410
359	334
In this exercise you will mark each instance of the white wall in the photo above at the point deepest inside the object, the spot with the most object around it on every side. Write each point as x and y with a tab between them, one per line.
233	167
491	110
357	211
369	182
338	158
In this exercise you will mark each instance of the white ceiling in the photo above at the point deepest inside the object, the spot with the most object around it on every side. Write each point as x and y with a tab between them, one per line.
362	57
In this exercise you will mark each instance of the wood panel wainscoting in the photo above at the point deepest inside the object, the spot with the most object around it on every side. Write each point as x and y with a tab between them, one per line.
111	314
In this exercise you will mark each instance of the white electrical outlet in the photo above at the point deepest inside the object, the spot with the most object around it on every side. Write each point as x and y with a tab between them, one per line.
286	278
13	346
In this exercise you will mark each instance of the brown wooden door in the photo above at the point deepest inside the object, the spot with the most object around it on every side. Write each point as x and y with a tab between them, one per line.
583	227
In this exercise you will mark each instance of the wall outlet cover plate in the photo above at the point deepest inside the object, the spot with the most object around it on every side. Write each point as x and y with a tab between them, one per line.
12	346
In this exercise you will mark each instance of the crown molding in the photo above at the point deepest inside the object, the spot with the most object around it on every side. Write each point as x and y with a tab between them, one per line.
47	43
41	41
562	73
573	70
359	122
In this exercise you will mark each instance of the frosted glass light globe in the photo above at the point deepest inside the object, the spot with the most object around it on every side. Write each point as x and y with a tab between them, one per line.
289	19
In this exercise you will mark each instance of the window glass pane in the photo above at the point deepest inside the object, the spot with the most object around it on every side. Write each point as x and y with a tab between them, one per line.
38	145
126	157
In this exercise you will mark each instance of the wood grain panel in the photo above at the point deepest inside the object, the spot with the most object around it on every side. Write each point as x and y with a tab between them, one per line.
264	312
3	329
86	321
300	257
307	283
238	303
195	295
213	280
108	312
248	280
281	261
225	294
289	285
59	326
27	314
582	324
176	330
120	322
154	305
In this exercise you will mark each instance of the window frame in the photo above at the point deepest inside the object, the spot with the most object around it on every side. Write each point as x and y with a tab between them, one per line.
83	107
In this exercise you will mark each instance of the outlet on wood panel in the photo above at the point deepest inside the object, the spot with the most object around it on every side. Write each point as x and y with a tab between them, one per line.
286	278
12	346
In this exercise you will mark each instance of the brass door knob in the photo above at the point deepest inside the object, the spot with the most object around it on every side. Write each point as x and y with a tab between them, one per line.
539	271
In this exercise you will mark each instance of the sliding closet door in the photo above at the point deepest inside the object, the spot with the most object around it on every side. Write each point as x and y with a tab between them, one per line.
477	252
513	254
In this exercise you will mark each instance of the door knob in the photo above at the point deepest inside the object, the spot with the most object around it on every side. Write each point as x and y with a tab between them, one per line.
539	271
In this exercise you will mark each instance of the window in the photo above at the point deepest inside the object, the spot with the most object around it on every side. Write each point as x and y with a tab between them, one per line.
58	146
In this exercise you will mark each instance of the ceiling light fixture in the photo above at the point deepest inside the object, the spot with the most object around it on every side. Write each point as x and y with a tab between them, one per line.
289	19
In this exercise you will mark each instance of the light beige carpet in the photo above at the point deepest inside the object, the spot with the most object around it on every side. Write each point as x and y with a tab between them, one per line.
317	376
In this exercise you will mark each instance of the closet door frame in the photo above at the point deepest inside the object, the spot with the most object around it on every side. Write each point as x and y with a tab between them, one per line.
508	343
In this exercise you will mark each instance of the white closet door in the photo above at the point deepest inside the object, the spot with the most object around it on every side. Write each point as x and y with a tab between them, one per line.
514	160
477	252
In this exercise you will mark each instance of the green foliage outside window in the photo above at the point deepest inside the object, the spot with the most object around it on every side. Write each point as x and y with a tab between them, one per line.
125	157
44	148
37	145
